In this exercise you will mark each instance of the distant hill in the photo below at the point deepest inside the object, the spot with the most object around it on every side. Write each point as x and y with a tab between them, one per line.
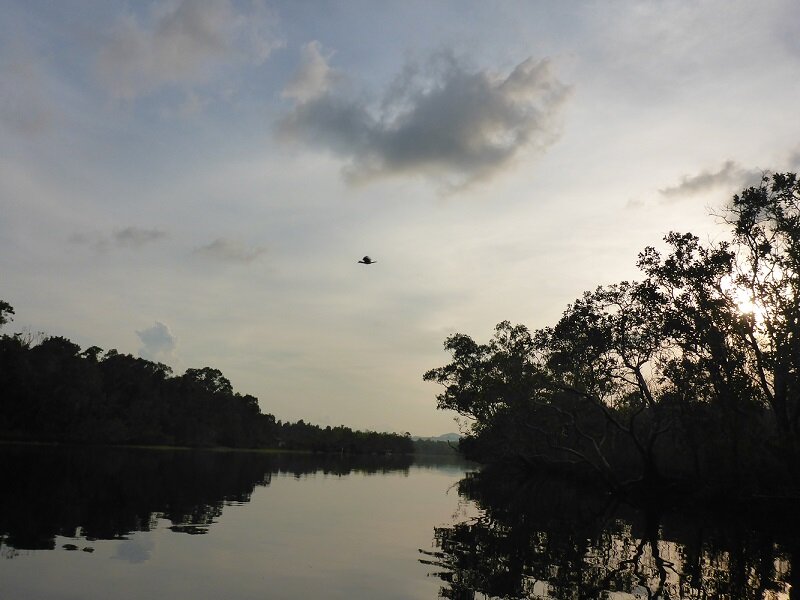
445	437
439	445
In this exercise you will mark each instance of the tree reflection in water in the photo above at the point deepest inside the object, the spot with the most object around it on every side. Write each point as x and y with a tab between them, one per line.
561	540
107	493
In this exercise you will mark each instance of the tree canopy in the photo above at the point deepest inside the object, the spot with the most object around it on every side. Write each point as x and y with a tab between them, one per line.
54	391
691	373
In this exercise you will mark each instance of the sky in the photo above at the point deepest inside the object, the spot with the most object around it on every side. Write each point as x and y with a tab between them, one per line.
194	181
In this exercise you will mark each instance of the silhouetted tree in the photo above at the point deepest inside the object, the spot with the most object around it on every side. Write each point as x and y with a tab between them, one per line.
692	373
54	391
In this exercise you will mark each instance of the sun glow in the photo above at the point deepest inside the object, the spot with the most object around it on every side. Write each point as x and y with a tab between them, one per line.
745	301
747	304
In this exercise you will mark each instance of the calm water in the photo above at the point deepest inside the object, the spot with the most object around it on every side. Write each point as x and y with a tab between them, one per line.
125	523
556	539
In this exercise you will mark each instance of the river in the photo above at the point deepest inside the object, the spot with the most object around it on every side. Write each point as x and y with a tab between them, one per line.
122	523
101	523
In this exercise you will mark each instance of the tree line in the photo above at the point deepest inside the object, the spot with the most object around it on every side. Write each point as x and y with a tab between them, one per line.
689	376
52	390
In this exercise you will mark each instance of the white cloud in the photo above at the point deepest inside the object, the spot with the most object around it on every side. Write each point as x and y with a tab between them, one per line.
230	251
158	343
315	76
182	42
446	121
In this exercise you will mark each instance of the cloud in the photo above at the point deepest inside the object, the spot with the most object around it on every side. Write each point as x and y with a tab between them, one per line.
25	104
97	240
634	204
731	174
136	549
134	236
192	105
443	120
130	237
315	76
794	160
230	251
158	343
182	42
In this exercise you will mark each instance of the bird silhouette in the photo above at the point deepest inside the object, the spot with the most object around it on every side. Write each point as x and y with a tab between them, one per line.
367	261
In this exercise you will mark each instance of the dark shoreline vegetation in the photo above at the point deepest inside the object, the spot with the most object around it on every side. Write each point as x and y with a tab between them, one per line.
52	391
685	384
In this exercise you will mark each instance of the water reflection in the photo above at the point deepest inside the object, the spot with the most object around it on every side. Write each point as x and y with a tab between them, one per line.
555	539
96	493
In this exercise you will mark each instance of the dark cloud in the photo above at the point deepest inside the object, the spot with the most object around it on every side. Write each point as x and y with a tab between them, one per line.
731	174
443	120
134	236
158	343
96	240
130	237
230	251
182	42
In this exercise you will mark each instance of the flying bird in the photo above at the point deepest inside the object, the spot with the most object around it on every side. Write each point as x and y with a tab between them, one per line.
367	261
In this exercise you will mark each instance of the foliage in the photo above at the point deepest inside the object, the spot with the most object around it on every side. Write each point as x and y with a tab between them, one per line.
54	391
691	374
435	447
